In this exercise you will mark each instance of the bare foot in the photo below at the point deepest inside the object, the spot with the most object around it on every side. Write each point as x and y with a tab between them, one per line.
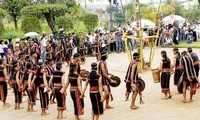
108	107
33	110
164	98
191	100
6	105
134	107
184	101
20	108
46	113
170	96
28	110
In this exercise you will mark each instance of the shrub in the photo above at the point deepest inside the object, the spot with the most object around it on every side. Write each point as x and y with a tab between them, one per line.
64	22
90	20
1	27
31	24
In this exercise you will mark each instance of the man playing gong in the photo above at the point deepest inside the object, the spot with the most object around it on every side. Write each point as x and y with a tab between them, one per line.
131	80
103	71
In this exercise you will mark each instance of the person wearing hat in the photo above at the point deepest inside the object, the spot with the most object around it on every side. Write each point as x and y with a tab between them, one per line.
58	83
59	51
103	71
165	68
76	60
195	59
96	92
189	75
176	65
131	80
16	84
48	72
3	84
74	80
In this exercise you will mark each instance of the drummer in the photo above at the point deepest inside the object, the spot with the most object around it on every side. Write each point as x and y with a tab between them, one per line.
131	80
103	71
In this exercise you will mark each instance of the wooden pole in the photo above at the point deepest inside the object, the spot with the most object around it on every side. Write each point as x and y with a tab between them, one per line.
157	22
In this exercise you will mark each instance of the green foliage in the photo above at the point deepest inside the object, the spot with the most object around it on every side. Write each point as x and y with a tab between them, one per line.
13	7
44	8
31	24
90	20
2	13
64	22
13	34
1	27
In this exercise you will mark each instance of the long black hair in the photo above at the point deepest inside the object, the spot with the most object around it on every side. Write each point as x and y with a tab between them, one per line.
93	73
72	67
40	64
165	57
58	65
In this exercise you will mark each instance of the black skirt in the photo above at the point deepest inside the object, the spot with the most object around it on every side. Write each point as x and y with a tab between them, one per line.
97	105
61	98
44	98
177	75
165	82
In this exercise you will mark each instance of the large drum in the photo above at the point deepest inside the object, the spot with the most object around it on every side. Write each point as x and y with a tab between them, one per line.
180	84
156	75
117	81
141	84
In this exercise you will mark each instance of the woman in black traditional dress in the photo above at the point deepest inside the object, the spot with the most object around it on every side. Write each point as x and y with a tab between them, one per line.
165	66
58	83
75	90
176	65
29	86
43	89
16	84
96	92
69	49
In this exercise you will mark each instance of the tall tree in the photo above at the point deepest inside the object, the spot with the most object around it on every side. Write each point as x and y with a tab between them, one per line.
47	10
13	7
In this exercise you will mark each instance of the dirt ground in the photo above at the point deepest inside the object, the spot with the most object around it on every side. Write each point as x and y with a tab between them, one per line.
154	108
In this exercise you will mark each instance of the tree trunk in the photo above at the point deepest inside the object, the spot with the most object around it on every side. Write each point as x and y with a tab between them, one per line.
111	9
15	21
50	22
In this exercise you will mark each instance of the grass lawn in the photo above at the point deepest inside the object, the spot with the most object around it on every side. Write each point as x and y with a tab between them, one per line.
185	45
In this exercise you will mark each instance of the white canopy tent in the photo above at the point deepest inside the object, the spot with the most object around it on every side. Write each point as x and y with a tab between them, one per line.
170	19
145	24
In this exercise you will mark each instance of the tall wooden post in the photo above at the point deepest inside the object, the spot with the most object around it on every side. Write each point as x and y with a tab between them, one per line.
139	32
111	10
